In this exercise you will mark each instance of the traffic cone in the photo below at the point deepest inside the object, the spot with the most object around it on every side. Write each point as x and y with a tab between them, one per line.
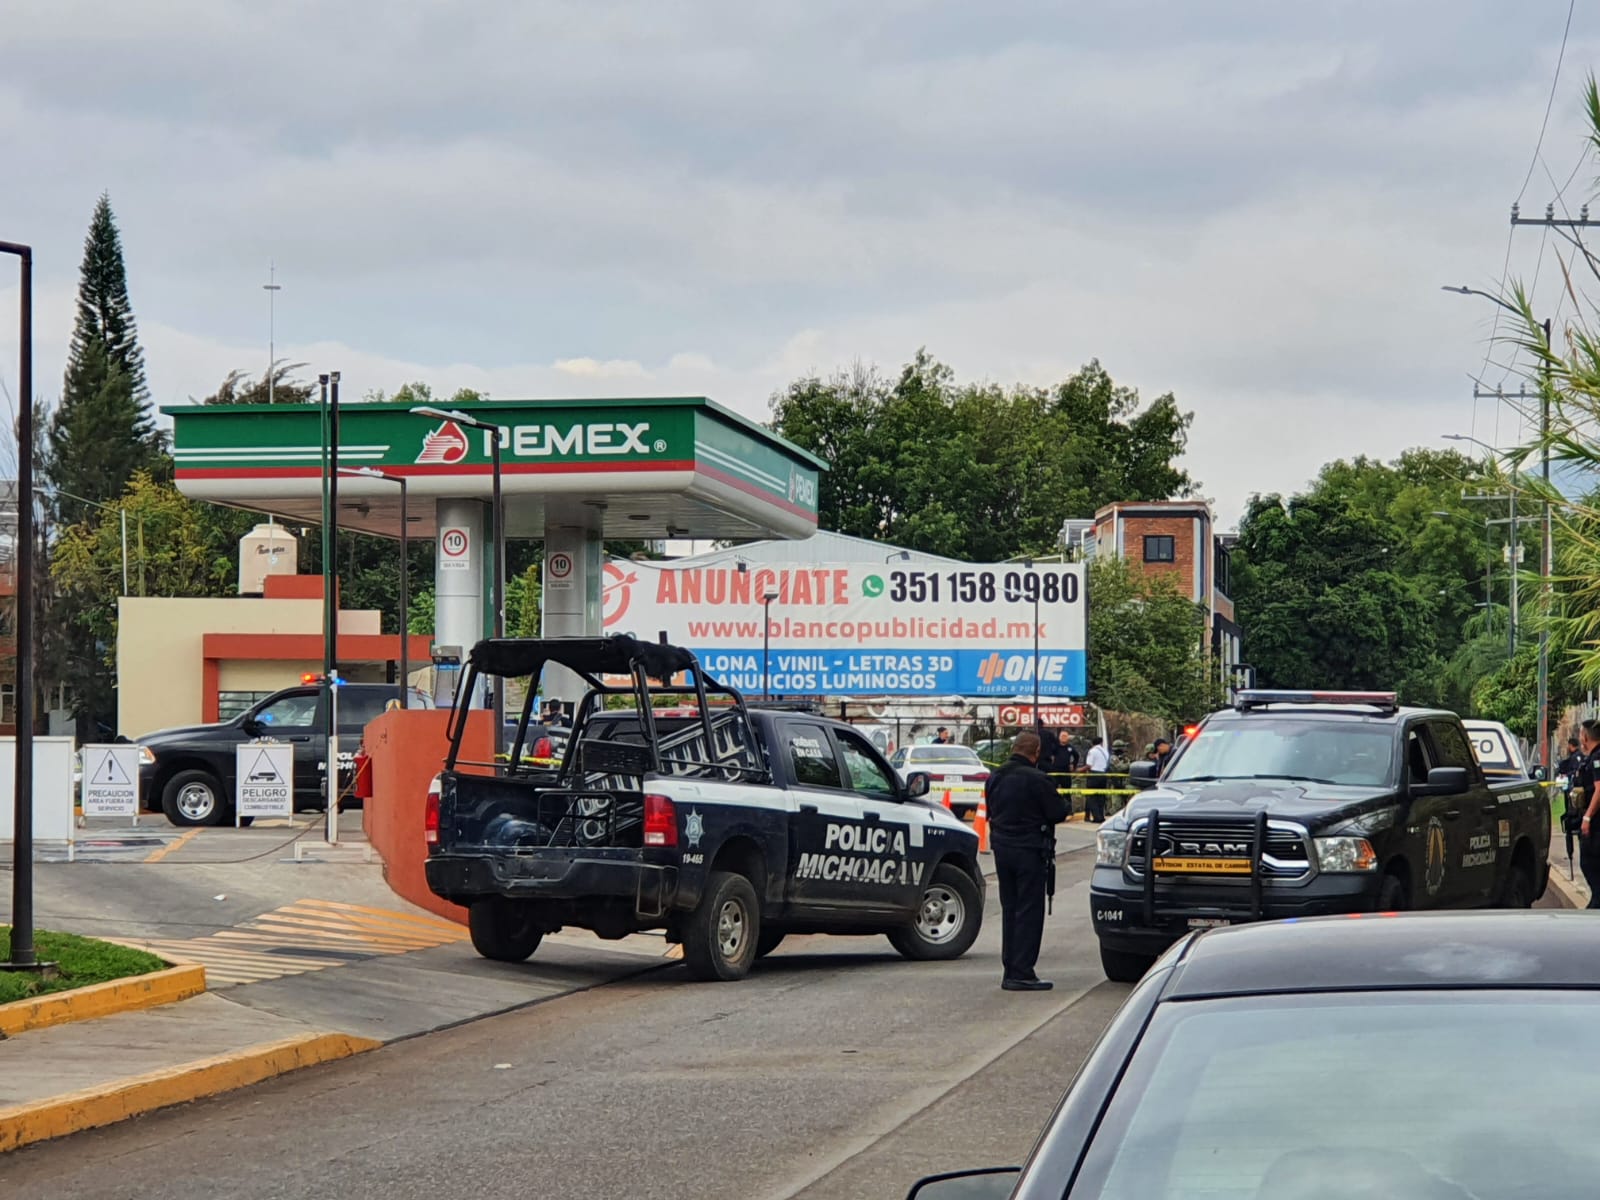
980	823
946	801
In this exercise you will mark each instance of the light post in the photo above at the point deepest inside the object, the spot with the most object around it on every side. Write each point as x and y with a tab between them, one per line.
766	644
405	574
1545	549
1038	717
23	955
1514	548
272	287
497	507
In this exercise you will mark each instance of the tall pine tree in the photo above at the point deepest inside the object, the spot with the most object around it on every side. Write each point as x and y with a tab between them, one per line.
103	430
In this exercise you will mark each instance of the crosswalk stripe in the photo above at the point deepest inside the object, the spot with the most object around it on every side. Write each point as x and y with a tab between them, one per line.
317	934
431	921
383	925
285	916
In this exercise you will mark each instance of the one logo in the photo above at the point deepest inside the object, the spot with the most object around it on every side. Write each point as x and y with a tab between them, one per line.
446	444
694	828
1017	668
617	592
1434	877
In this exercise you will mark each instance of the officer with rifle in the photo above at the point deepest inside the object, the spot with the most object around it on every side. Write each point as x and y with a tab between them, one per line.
1024	809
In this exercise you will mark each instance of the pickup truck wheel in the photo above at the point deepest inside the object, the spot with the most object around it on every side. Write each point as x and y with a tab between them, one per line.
1392	896
947	921
504	930
769	941
194	798
1520	887
1123	967
721	935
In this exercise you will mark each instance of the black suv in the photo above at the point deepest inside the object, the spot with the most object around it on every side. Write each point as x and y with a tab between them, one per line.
190	773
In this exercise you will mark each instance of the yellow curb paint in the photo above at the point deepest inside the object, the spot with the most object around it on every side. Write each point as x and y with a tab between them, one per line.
102	999
177	843
123	1098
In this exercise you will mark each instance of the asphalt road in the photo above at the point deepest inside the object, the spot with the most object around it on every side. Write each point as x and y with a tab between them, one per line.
835	1070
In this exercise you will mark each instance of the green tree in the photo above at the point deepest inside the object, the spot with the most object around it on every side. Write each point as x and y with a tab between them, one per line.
978	471
1146	645
103	431
286	387
176	547
421	393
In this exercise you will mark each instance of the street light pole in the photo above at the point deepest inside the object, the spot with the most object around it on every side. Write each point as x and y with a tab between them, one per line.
23	954
766	644
1544	564
405	574
497	505
1038	717
272	287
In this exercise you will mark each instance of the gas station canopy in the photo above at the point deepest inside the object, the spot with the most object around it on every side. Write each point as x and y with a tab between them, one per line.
621	469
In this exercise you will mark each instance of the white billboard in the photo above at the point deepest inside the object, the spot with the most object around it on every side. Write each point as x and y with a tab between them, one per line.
854	629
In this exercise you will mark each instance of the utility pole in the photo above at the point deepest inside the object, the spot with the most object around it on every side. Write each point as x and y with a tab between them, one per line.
1512	520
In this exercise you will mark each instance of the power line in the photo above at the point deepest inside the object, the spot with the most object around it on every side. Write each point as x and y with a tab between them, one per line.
1550	102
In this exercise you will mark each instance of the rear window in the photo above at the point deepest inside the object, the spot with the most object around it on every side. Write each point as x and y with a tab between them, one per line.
1494	752
943	754
1342	751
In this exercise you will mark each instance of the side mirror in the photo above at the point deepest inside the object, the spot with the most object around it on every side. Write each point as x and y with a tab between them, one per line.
1442	781
1143	774
1537	773
992	1183
917	786
252	726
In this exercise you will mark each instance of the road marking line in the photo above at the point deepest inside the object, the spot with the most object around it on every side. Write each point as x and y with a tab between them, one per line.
432	922
290	930
177	843
381	925
287	916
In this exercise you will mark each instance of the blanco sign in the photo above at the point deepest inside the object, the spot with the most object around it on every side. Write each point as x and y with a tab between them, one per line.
265	786
110	781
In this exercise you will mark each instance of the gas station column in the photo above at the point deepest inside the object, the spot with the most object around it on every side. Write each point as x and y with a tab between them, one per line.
572	580
461	561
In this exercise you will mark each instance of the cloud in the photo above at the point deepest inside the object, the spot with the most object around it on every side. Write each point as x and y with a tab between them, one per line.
1248	204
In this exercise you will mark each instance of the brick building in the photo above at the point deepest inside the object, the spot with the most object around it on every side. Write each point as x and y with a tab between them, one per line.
1177	539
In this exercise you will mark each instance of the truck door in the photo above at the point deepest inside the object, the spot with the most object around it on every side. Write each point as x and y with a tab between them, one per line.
297	719
828	822
905	825
1469	817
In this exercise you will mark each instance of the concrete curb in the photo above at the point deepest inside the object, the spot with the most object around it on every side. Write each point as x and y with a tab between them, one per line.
102	999
74	1112
1564	890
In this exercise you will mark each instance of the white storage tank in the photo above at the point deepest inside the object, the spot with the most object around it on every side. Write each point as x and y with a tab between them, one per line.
266	550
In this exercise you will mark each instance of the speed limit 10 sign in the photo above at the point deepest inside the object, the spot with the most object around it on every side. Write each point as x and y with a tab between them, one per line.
455	549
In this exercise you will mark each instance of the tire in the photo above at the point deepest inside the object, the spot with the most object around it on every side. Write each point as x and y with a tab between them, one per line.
948	918
1120	966
504	930
194	798
1520	887
1392	895
721	935
769	941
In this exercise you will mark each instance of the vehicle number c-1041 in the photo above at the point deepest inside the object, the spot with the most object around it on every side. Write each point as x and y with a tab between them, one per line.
972	587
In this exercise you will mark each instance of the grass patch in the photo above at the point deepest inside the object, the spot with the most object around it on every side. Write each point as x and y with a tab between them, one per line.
82	961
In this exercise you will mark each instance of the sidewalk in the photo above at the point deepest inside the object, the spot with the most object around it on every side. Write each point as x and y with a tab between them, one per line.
1573	892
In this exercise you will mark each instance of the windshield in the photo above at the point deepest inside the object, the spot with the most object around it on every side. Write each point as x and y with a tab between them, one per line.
1448	1096
944	754
1333	751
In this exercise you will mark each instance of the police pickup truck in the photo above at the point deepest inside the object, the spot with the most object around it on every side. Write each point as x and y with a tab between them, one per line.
1298	804
724	825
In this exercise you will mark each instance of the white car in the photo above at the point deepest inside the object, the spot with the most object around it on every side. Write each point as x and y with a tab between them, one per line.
956	770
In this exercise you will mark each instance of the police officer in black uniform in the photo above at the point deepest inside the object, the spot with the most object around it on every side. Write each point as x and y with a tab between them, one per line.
1024	809
1586	801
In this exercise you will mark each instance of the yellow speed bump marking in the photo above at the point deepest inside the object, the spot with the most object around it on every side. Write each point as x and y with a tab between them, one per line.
58	1116
102	999
177	843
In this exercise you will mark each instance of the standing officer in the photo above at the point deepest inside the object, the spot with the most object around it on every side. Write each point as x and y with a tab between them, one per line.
1024	809
1098	762
1586	799
1163	754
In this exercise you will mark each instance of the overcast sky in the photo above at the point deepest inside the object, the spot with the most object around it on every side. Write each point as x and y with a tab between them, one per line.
1249	204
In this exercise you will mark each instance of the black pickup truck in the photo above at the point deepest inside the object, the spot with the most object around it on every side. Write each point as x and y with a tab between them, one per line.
1300	804
190	772
724	825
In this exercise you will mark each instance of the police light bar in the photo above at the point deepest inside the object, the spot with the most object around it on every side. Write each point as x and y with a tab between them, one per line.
1247	698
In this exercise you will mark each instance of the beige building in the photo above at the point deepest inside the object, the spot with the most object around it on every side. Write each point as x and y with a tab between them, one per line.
188	661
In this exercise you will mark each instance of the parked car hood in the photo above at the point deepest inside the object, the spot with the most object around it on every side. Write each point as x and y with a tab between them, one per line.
1246	797
191	733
